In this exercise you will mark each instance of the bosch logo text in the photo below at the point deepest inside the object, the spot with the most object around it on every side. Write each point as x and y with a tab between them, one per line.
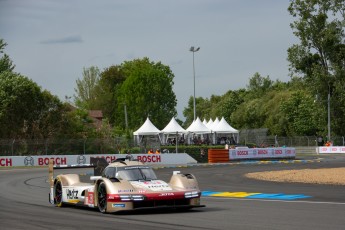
242	153
149	159
56	160
5	162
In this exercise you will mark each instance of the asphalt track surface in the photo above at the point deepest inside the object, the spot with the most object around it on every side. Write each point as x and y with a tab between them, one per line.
24	202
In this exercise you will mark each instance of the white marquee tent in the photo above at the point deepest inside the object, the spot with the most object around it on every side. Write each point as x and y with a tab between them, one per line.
173	128
214	124
198	127
223	127
209	123
147	129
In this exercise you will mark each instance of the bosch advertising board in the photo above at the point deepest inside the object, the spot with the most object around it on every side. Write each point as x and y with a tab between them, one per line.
261	153
154	159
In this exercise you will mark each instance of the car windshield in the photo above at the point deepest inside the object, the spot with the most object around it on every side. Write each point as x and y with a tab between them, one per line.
136	173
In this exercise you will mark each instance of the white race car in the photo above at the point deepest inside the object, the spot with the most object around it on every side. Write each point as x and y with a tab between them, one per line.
123	185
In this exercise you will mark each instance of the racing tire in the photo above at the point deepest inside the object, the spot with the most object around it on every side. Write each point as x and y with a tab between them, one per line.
58	194
102	197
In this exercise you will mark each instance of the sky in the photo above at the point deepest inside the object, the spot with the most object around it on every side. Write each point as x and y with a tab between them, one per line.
51	41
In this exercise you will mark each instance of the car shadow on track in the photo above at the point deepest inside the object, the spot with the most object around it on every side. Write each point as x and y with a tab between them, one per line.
146	211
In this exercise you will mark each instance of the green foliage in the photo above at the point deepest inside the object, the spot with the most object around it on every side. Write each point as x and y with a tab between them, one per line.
87	90
147	92
258	85
77	125
26	111
320	56
302	114
110	82
275	119
6	63
216	106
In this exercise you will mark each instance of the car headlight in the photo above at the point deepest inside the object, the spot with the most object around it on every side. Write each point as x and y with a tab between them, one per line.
132	197
191	194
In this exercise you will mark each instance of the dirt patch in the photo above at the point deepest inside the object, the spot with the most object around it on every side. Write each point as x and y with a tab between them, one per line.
334	176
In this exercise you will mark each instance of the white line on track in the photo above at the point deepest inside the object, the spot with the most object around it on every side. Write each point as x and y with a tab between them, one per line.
272	200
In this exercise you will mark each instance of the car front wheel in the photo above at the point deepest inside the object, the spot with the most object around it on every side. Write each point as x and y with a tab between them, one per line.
58	194
102	197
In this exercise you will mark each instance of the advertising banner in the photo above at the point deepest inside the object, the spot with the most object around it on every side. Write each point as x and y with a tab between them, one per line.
261	153
43	160
331	149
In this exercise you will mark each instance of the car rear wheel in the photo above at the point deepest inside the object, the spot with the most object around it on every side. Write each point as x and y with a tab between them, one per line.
58	194
102	197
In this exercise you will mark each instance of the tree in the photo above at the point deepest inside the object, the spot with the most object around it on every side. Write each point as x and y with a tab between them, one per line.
88	89
203	109
259	85
320	55
26	111
147	92
250	114
110	83
228	104
302	114
5	62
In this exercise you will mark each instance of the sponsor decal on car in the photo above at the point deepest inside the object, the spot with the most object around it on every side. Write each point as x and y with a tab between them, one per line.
154	185
167	194
125	190
72	194
119	205
90	198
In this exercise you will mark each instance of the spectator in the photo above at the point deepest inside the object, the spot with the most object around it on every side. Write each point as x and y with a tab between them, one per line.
150	151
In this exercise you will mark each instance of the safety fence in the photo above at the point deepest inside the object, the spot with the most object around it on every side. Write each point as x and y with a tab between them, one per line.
307	141
25	147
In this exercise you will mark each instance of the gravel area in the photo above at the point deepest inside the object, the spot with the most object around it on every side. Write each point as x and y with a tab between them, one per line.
334	176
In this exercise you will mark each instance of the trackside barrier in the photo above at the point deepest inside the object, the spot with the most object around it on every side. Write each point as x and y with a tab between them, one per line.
43	160
331	149
226	155
218	155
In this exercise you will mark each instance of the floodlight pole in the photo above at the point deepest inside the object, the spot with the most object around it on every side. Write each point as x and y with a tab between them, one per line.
329	113
193	50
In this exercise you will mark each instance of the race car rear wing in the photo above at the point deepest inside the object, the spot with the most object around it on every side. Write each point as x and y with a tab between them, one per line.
95	168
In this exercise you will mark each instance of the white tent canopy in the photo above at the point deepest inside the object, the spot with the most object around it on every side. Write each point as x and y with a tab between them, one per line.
147	129
198	127
224	127
214	124
173	127
209	123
